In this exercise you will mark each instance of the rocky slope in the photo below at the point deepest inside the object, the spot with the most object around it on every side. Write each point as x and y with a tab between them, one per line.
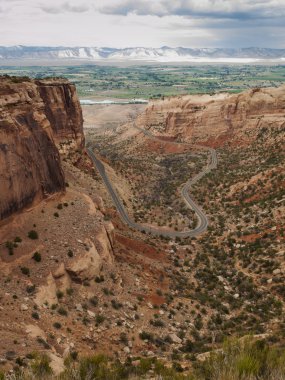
219	119
64	242
34	117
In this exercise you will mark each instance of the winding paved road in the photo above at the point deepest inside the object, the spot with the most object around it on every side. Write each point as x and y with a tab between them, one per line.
201	216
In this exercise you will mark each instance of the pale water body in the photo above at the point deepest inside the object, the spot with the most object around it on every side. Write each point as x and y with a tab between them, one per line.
88	102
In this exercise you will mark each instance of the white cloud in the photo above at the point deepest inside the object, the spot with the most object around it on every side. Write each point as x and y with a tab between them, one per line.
121	23
65	7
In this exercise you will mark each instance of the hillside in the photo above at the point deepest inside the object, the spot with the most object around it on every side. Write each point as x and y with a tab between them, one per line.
163	54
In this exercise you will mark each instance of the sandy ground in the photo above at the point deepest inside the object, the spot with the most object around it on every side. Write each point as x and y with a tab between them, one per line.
110	116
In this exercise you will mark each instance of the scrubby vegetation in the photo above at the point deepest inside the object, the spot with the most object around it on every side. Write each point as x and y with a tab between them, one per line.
162	175
244	359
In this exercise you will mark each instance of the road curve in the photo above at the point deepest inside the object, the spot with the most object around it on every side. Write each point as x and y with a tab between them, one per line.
201	216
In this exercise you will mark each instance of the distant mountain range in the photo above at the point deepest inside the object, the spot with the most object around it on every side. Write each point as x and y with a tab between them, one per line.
163	54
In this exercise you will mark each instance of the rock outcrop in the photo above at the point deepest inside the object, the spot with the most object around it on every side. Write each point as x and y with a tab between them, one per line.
87	265
218	119
35	116
64	113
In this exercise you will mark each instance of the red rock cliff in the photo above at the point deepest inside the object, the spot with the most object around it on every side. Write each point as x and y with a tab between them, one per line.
34	117
219	119
64	113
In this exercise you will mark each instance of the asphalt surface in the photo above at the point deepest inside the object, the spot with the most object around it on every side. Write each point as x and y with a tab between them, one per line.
201	216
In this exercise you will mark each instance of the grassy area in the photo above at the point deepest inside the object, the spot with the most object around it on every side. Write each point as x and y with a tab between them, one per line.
244	359
158	80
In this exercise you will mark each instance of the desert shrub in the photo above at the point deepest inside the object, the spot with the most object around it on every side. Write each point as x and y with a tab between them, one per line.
116	305
62	311
10	246
37	257
25	271
157	323
95	367
35	315
146	336
30	289
69	291
59	294
99	279
33	235
93	300
40	367
244	359
124	338
99	319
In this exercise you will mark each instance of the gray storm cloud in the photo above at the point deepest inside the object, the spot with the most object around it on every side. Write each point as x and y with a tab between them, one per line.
235	9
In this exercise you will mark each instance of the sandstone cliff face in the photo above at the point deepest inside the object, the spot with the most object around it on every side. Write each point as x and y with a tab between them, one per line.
33	117
216	120
64	113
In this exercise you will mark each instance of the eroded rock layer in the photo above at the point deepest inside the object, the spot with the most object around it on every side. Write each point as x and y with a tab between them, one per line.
218	119
34	116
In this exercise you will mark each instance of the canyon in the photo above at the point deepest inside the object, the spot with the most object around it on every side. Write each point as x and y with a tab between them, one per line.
77	281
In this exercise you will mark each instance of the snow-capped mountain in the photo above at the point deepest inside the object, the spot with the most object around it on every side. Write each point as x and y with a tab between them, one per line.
163	54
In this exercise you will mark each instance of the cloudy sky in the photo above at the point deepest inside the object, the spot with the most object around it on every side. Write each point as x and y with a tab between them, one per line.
150	23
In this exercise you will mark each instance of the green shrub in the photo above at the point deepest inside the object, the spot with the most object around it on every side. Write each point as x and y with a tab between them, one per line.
59	294
25	271
69	291
116	305
10	246
95	367
37	257
62	311
93	300
57	325
244	359
99	279
35	315
99	319
41	367
30	289
146	336
33	235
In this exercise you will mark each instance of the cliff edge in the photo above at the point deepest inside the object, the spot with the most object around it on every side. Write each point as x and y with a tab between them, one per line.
216	120
36	118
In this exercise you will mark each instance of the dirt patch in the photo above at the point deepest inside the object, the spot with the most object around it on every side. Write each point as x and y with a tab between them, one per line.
164	147
141	248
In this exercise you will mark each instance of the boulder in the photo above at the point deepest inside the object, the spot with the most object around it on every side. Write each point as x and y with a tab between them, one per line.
86	266
175	339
